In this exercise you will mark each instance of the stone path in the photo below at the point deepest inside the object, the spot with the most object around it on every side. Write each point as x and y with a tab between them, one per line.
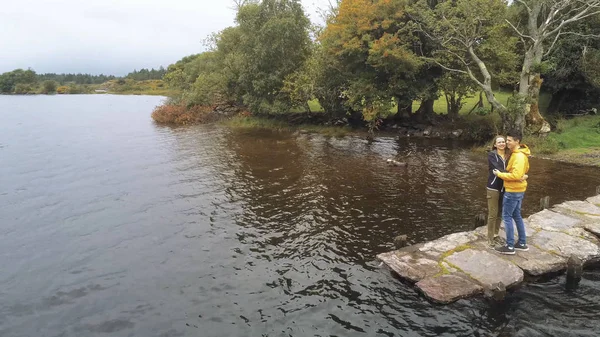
461	265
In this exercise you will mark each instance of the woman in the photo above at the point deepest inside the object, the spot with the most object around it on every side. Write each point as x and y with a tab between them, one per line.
497	159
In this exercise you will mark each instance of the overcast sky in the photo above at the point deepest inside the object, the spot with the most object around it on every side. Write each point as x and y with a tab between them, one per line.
110	36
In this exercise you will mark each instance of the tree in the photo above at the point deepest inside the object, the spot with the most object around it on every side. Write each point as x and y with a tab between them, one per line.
49	87
546	21
472	39
375	55
273	43
573	77
9	80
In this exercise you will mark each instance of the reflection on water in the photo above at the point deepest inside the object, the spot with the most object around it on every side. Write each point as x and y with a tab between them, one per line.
110	224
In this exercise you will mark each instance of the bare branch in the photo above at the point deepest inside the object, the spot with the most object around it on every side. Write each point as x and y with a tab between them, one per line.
445	67
518	32
587	36
524	4
552	45
584	13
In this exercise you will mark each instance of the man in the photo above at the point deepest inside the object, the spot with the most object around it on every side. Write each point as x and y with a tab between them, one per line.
514	191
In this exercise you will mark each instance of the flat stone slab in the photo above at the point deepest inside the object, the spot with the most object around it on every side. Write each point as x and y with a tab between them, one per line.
448	288
486	268
593	228
566	245
580	209
552	221
594	200
462	264
436	248
534	262
411	266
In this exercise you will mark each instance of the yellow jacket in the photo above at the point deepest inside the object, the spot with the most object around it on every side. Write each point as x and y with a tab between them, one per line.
518	166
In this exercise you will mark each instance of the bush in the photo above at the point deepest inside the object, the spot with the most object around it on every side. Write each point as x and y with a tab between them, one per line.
480	128
23	88
180	114
49	87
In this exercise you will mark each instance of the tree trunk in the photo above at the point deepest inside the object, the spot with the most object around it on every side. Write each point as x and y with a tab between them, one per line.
425	111
530	81
404	108
453	105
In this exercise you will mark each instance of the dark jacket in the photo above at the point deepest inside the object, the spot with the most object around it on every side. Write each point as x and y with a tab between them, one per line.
495	162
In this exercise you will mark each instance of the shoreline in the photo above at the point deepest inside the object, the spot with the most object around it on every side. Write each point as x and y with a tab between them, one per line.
580	156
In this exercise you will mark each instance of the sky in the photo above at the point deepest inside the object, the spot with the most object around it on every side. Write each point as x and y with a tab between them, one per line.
111	37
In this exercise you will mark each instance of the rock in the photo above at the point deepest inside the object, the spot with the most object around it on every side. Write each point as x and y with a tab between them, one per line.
436	248
480	221
427	131
457	133
552	221
566	245
537	262
497	292
594	200
486	268
395	162
579	209
448	288
574	269
593	228
545	128
401	241
411	267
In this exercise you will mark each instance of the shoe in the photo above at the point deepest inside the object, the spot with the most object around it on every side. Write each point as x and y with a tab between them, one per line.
506	250
522	247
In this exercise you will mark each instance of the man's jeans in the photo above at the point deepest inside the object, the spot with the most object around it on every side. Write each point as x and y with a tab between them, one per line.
511	209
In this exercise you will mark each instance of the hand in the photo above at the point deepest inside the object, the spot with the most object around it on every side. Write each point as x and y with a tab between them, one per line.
495	172
524	178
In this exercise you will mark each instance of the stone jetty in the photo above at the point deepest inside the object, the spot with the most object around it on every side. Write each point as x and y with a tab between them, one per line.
462	265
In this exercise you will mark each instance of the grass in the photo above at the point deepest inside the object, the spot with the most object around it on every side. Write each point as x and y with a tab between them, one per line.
578	132
132	87
440	107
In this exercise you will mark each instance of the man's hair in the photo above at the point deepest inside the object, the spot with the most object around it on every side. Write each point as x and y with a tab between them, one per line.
515	134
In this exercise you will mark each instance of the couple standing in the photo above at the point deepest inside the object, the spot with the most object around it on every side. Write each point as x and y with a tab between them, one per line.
508	164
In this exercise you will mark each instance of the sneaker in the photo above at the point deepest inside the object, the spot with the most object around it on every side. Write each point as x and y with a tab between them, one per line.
522	247
506	250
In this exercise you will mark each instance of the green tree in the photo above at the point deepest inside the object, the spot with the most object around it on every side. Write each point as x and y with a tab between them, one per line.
9	80
273	43
471	38
49	87
375	56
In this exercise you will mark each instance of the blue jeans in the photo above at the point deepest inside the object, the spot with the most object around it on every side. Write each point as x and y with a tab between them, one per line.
511	209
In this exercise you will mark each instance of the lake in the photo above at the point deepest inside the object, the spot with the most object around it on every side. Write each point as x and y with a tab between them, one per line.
111	225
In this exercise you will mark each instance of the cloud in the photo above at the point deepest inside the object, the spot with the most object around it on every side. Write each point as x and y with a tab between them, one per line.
109	36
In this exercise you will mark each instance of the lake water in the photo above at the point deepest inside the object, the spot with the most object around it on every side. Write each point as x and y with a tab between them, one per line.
111	225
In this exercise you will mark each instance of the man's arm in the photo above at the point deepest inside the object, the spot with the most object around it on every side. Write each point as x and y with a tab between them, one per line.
517	170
